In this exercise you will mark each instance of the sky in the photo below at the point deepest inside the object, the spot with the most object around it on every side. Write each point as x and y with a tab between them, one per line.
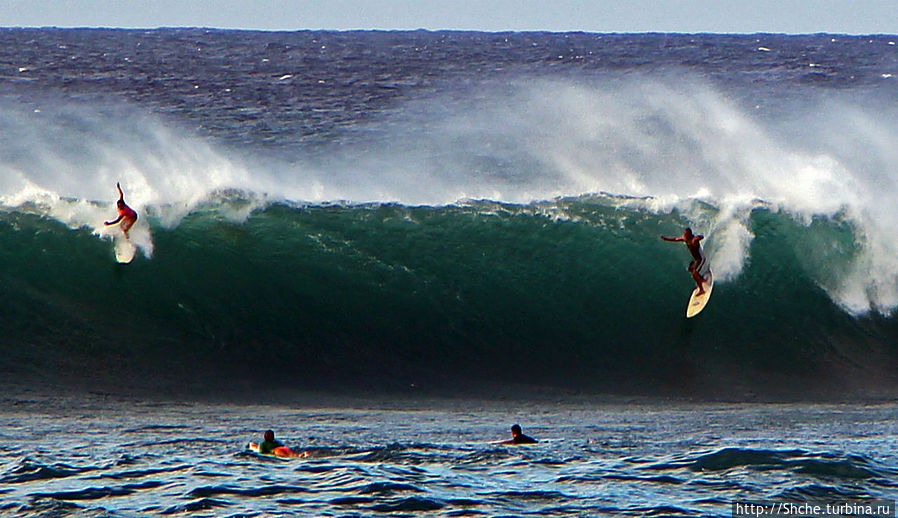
722	16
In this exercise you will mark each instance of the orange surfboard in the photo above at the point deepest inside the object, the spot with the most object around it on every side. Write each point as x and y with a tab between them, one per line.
283	452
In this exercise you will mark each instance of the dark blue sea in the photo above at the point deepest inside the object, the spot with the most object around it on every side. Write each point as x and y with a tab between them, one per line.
391	246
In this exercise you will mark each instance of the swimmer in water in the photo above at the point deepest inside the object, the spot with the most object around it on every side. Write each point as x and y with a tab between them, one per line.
518	437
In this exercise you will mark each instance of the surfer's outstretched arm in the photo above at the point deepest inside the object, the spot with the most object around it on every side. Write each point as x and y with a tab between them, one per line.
121	195
116	220
668	238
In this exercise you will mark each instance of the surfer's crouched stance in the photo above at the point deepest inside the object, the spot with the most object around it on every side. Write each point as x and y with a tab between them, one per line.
698	258
126	214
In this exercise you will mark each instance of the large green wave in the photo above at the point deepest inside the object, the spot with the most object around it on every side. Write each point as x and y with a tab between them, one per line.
574	292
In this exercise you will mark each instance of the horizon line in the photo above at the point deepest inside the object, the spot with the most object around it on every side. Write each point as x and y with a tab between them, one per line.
425	29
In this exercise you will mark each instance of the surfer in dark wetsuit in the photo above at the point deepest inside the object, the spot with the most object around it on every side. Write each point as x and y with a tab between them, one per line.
126	214
518	437
698	258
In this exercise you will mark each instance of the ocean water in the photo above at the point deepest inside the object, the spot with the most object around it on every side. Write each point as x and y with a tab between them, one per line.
399	218
104	455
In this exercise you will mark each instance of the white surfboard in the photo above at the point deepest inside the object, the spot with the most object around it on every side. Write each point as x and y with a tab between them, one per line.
697	302
124	249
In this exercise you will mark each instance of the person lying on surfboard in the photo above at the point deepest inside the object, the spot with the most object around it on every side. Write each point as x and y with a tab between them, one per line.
518	437
271	446
698	258
270	443
126	214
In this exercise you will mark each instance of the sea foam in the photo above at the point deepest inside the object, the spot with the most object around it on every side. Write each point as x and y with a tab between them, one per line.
669	143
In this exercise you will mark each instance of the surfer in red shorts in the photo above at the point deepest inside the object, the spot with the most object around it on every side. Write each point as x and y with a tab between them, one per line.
126	214
698	258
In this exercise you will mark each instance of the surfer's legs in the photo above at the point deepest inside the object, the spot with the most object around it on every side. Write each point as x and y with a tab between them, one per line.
699	281
126	226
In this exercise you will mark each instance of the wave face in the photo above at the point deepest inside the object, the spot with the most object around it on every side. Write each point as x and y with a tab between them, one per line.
419	206
575	291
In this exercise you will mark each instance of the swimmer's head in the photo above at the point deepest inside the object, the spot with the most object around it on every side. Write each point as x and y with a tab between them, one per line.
269	435
516	429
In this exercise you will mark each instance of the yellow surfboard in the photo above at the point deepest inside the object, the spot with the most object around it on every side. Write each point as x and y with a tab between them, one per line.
697	302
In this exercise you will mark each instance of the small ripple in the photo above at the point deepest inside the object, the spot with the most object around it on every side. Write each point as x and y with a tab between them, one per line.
821	465
555	462
28	471
292	501
191	442
482	456
211	474
464	502
884	482
854	467
341	478
207	491
527	495
821	492
410	504
203	504
721	485
158	428
466	512
142	472
352	500
658	511
728	458
127	459
387	488
660	479
52	507
419	453
90	493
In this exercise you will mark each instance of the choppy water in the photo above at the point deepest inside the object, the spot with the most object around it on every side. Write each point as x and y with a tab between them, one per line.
102	455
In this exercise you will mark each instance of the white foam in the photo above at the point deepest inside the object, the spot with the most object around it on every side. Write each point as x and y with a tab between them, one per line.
674	141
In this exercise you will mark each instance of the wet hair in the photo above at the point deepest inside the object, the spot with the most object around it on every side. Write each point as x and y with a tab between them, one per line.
516	429
269	435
